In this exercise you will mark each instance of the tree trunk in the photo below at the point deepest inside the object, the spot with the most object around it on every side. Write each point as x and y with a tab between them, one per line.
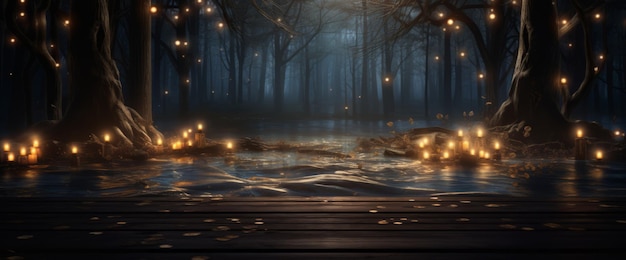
98	104
139	78
426	72
447	70
533	96
365	105
262	75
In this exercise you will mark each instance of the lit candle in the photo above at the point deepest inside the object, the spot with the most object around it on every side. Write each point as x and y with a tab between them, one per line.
473	152
159	146
599	155
199	136
446	155
199	127
426	155
185	134
159	141
460	133
487	155
481	154
75	159
479	133
452	147
106	149
11	157
189	143
23	159
496	146
32	157
7	147
496	153
465	145
580	146
107	138
36	143
229	145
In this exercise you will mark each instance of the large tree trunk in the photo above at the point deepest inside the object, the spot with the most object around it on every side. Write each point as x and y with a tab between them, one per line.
447	70
98	105
534	91
140	89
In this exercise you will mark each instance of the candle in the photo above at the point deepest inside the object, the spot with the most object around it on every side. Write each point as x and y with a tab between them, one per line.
23	158
487	155
460	133
229	145
7	147
36	143
426	155
496	153
107	138
75	159
159	142
32	157
185	135
479	133
199	136
106	149
189	143
11	157
599	155
446	155
580	146
465	145
473	152
481	154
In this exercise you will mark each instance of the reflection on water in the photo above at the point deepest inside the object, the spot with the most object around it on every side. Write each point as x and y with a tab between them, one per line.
299	174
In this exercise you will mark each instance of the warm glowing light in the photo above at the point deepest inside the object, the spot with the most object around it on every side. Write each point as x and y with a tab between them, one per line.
175	17
426	155
481	154
187	10
57	65
220	25
185	134
563	80
487	155
159	141
209	9
492	16
199	60
513	2
479	133
450	145
66	23
440	14
11	157
601	57
36	143
450	22
480	76
177	43
166	92
564	22
189	143
185	43
23	151
579	133
22	1
457	27
107	138
617	133
462	54
153	9
596	69
22	14
74	150
420	144
12	40
496	145
229	145
446	155
465	145
436	57
387	79
460	133
7	147
345	107
472	152
599	155
570	45
200	127
598	16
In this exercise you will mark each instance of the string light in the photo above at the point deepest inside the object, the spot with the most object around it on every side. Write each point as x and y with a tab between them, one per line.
12	40
598	16
153	9
450	22
563	80
209	9
66	23
564	22
175	17
177	43
22	14
436	57
462	54
220	25
480	76
492	16
601	57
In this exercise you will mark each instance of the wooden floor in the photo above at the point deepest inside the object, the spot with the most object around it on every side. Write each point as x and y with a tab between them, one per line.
312	228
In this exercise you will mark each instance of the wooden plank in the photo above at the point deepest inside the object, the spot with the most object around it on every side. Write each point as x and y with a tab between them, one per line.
312	227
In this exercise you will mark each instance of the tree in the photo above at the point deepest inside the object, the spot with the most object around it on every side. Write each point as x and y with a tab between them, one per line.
97	106
140	81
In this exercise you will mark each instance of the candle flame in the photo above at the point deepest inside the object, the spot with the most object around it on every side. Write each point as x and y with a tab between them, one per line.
460	133
200	127
579	133
229	145
426	155
451	145
7	147
11	157
36	143
160	141
107	138
599	155
22	151
446	155
497	145
472	152
74	150
479	133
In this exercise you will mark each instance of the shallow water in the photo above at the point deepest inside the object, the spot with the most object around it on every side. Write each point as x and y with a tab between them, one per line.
300	174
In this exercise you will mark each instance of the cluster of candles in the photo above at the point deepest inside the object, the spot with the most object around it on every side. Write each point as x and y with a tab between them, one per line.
473	145
190	139
581	150
26	155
